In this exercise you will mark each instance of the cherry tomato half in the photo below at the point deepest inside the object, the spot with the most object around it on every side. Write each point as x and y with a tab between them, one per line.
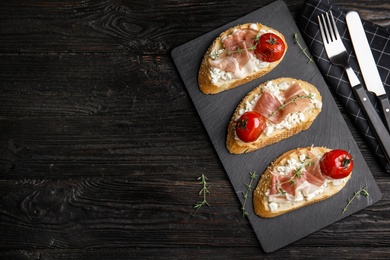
336	164
270	47
250	126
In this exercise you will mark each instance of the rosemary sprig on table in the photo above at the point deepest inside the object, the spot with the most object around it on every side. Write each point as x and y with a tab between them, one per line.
301	47
249	188
362	191
205	190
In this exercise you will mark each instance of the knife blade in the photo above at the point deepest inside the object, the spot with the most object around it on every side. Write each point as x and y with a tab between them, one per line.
367	63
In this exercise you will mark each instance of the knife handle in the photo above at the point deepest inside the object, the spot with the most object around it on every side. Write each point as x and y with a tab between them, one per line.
385	108
373	118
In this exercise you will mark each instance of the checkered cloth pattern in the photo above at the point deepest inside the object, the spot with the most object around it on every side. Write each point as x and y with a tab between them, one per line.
335	76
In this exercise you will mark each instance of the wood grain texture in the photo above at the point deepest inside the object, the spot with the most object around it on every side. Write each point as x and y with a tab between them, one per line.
101	146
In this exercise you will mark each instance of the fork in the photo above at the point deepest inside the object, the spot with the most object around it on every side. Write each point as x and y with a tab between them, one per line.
338	55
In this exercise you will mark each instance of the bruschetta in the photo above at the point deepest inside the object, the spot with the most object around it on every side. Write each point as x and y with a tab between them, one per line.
301	177
273	111
239	55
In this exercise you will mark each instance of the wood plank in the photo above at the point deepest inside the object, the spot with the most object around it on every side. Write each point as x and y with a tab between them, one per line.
84	85
130	26
123	211
205	252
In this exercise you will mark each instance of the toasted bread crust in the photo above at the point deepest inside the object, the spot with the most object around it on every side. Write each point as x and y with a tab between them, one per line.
204	77
260	200
236	146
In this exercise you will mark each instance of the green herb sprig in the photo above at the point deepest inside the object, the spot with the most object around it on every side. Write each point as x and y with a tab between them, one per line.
205	190
362	191
249	189
296	37
296	174
293	100
231	52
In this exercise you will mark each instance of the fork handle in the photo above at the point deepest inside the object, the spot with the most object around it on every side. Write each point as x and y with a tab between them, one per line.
373	118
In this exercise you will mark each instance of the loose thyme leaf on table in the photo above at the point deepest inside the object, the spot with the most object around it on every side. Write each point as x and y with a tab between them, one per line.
362	191
302	49
205	190
249	188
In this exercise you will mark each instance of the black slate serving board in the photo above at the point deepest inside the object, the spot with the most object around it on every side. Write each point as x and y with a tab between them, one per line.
329	129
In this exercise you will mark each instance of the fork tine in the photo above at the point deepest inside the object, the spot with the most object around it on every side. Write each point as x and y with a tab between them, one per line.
326	25
335	27
324	30
330	29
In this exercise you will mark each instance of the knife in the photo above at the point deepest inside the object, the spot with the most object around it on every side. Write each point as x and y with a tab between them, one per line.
367	63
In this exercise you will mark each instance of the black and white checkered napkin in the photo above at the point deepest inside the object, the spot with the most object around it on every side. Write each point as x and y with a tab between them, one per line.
335	76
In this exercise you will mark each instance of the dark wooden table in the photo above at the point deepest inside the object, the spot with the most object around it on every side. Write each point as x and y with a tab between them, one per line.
101	146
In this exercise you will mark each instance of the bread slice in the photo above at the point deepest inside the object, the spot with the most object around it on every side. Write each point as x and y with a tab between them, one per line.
236	146
260	198
204	76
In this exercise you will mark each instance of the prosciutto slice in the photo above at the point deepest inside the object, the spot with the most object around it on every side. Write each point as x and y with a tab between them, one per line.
225	63
292	182
237	47
305	180
269	106
288	186
276	194
313	171
295	100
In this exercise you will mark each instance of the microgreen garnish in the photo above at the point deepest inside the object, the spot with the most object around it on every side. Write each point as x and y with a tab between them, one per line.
249	188
205	190
303	50
362	191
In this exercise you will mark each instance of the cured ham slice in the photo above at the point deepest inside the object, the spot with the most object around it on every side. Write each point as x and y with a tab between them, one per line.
292	182
237	48
295	100
313	171
269	106
276	193
225	63
306	180
292	91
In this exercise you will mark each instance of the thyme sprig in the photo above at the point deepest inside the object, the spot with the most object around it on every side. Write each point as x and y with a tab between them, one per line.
362	191
297	173
252	47
293	100
216	55
205	190
303	50
249	189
